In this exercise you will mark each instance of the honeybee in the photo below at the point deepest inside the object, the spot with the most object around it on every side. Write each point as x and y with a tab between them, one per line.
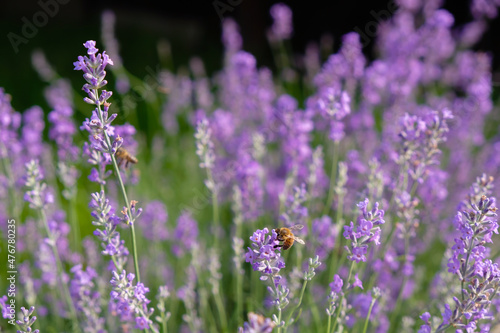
123	156
286	236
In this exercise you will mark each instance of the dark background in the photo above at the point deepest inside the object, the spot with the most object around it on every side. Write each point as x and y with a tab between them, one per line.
191	27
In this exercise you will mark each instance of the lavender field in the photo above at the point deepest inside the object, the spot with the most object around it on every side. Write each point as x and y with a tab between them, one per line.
332	192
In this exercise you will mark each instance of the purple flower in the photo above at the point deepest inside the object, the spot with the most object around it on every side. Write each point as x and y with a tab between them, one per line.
336	285
282	27
83	290
357	282
257	323
131	299
26	322
111	43
106	222
358	254
6	314
420	139
185	235
142	323
93	68
295	209
37	194
324	233
263	254
231	37
154	221
333	104
364	228
367	231
32	132
59	97
484	8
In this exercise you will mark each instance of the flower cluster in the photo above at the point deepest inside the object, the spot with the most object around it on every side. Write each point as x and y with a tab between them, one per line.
421	137
131	299
26	323
93	67
264	256
312	265
86	298
37	194
324	234
282	27
366	231
257	323
63	128
107	223
295	209
334	105
184	235
204	144
469	262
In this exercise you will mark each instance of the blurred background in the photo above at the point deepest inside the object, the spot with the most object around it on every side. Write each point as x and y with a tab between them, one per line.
192	28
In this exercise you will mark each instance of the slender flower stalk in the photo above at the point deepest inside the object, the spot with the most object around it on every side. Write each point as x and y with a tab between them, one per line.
237	245
214	281
39	198
340	191
336	286
479	276
333	176
93	67
330	311
265	257
205	150
162	296
375	296
308	276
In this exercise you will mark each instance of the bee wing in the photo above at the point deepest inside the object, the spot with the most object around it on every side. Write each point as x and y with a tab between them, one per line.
299	240
296	227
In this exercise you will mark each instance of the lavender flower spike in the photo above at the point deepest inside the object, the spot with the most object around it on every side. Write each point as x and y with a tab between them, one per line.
263	255
282	27
26	323
257	323
479	276
93	68
365	232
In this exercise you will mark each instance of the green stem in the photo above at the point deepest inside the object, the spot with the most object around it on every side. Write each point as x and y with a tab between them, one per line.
222	313
338	241
300	300
74	223
442	329
279	307
239	285
397	307
369	313
333	177
314	310
124	193
164	323
342	298
215	204
329	324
